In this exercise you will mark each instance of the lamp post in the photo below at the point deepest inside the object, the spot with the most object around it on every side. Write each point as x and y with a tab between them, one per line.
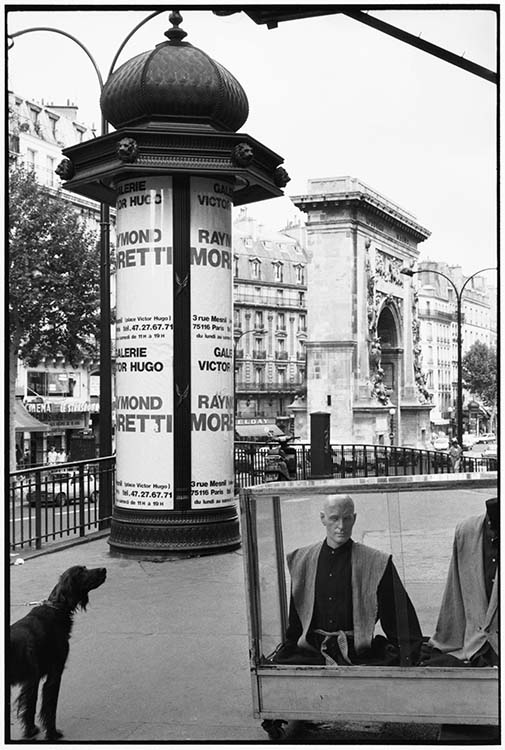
459	323
259	331
105	439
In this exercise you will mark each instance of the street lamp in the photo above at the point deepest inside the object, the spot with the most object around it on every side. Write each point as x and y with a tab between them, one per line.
259	331
105	445
392	412
459	321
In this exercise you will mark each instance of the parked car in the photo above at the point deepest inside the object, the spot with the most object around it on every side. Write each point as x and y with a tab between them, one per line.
468	440
485	453
62	488
482	446
441	443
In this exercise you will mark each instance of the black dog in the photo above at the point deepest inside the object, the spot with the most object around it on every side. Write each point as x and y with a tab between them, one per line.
39	647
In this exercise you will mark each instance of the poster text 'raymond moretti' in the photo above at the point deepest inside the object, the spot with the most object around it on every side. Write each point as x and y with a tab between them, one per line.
152	253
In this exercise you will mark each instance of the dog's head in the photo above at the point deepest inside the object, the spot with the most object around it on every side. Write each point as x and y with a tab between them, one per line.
74	585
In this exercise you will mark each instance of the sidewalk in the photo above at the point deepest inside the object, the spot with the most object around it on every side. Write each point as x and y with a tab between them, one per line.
162	654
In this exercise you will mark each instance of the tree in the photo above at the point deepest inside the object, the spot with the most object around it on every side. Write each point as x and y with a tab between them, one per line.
54	278
480	375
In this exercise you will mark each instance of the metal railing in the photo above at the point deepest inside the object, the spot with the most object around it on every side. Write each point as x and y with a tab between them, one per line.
353	461
61	501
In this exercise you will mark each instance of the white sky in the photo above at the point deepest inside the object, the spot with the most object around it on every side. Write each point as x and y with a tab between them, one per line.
329	94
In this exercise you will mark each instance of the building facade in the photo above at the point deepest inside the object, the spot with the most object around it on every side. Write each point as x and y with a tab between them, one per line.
61	399
270	323
439	335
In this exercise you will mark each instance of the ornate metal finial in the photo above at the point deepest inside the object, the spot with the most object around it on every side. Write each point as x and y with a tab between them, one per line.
175	34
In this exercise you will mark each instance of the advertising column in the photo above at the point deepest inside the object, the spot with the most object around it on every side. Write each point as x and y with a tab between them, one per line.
144	345
211	344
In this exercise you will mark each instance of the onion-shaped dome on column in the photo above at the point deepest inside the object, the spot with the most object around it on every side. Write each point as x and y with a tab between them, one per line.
177	83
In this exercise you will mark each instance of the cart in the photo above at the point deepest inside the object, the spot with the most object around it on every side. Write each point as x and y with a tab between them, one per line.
413	518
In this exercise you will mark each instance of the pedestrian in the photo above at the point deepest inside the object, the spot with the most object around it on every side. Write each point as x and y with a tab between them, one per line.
19	457
61	456
52	455
455	455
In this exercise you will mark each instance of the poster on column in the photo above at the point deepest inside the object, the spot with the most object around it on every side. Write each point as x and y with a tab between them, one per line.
144	344
212	482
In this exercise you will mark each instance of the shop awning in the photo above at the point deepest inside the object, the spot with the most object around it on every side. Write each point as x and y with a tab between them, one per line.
439	420
258	430
25	422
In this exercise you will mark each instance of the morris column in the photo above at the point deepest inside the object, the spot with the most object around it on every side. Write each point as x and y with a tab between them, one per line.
172	170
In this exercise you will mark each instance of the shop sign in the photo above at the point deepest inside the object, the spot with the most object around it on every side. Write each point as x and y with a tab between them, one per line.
256	420
60	406
60	421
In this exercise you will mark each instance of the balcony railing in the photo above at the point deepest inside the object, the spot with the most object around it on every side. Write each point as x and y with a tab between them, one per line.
281	355
259	354
244	387
264	301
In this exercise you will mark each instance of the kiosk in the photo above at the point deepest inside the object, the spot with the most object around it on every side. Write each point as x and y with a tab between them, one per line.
414	519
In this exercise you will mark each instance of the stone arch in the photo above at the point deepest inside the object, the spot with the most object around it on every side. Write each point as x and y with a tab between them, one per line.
390	337
388	326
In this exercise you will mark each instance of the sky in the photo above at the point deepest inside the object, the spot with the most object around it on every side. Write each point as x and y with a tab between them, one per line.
332	96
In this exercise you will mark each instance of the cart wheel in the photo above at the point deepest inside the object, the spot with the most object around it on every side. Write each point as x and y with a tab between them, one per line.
274	728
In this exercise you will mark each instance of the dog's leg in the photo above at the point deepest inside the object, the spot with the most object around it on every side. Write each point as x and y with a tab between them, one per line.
50	693
27	703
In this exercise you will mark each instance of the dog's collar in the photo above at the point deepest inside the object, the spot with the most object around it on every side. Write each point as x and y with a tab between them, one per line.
42	601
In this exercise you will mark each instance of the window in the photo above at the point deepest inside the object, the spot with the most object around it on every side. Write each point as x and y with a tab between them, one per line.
53	121
256	268
281	321
280	296
258	375
34	115
41	383
79	133
302	323
300	274
258	319
278	270
236	318
50	170
301	299
235	265
31	157
281	345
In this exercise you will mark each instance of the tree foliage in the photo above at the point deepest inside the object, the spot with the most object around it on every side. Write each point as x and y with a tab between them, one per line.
54	274
479	372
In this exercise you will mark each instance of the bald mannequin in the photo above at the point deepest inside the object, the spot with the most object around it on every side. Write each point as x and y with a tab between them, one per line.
338	517
339	589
